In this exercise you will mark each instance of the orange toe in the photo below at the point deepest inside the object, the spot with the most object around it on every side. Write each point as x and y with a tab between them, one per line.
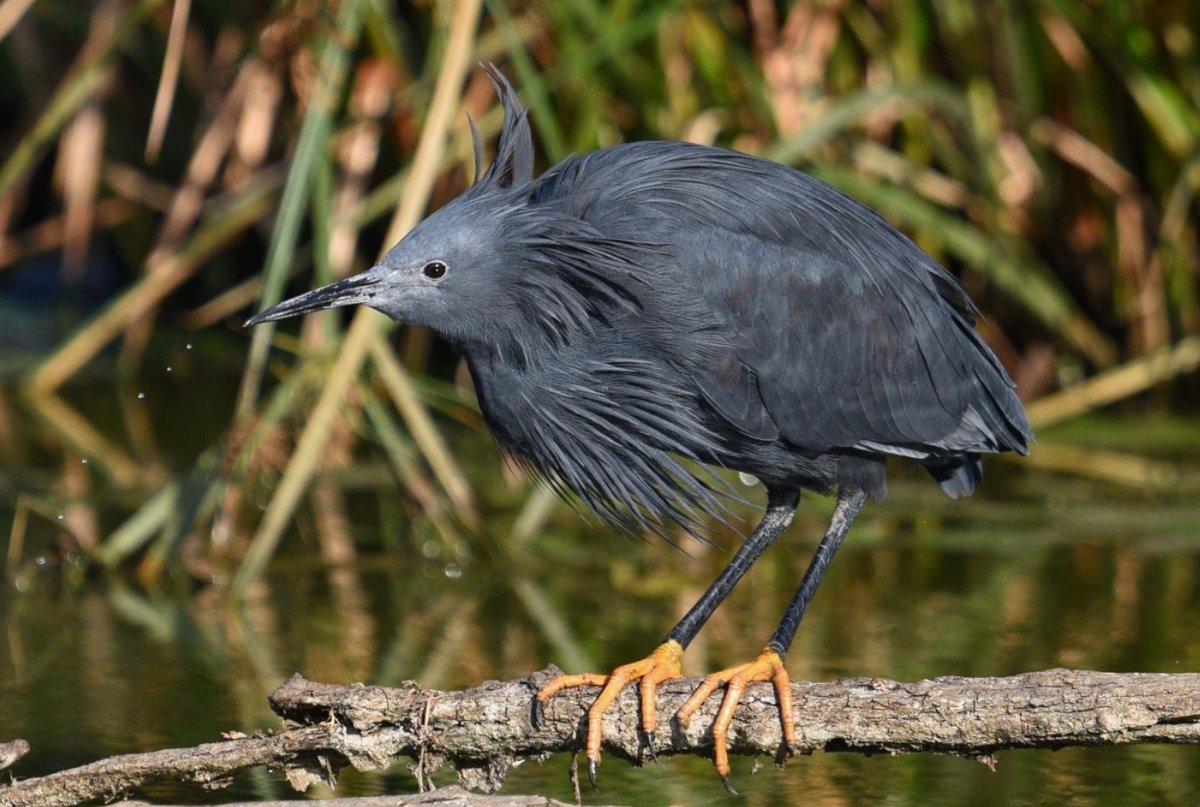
662	664
766	666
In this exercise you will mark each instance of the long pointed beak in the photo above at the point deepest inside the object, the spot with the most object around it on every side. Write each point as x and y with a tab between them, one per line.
350	291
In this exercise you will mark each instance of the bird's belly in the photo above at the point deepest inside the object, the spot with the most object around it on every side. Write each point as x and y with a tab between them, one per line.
615	437
775	463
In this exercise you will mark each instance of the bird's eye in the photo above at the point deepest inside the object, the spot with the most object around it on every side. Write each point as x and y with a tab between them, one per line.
434	269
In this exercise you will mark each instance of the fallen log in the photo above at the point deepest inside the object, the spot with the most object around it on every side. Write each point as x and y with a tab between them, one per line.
442	797
482	731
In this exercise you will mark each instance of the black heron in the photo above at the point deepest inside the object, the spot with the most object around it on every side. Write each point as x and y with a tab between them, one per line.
661	302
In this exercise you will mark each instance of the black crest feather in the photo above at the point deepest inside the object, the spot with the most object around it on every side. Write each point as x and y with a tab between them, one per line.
513	166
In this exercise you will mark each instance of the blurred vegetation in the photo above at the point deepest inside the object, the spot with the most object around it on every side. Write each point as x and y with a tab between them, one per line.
176	165
993	586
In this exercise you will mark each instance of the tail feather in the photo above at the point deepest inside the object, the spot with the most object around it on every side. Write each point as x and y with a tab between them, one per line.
957	476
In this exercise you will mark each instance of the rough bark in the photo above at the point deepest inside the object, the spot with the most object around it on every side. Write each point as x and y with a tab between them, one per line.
10	752
482	731
443	797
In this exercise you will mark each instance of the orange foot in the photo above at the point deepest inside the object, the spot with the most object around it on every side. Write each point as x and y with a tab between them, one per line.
651	671
767	666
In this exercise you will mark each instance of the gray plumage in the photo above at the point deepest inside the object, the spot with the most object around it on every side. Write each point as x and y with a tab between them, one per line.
653	302
658	299
636	313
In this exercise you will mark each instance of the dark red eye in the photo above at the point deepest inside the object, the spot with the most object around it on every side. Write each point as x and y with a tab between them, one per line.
434	269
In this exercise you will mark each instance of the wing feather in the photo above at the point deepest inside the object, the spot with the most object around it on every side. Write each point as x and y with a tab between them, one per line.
854	337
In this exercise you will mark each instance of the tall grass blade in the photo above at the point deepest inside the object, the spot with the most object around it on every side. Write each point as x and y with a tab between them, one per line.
424	432
80	85
312	144
366	324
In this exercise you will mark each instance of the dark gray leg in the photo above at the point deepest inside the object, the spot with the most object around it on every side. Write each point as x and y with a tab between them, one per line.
768	665
781	506
849	503
664	662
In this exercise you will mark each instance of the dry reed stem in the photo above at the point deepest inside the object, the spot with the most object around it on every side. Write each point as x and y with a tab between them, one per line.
366	324
11	12
81	153
1118	383
164	98
424	432
202	169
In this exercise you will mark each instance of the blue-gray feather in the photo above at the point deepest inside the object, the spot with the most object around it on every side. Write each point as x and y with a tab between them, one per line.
666	300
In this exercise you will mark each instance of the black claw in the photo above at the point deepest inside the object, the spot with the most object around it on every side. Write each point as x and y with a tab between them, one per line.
729	787
592	773
538	716
650	746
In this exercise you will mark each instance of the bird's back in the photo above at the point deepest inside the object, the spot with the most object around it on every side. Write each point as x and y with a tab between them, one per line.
822	325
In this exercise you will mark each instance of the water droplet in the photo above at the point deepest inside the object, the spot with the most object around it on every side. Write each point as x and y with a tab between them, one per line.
141	396
168	368
61	516
453	571
41	560
431	549
84	461
188	346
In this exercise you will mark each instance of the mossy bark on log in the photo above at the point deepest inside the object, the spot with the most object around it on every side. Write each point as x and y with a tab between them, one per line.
483	730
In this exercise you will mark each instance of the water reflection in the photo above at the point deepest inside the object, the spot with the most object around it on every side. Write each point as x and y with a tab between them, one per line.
1039	571
105	668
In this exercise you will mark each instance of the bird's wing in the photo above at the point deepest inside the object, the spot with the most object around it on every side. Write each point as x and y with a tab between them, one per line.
852	356
853	336
732	389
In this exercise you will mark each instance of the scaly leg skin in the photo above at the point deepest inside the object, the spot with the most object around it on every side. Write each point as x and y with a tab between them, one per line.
663	663
651	671
766	666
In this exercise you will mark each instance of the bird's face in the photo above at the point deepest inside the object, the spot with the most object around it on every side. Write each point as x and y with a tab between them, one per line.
438	276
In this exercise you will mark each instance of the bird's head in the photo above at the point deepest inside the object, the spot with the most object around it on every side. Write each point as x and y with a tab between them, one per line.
447	272
492	268
441	275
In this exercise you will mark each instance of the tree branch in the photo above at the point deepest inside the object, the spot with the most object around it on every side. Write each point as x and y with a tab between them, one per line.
481	731
442	797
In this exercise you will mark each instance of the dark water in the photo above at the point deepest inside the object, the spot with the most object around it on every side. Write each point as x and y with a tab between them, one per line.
1039	570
